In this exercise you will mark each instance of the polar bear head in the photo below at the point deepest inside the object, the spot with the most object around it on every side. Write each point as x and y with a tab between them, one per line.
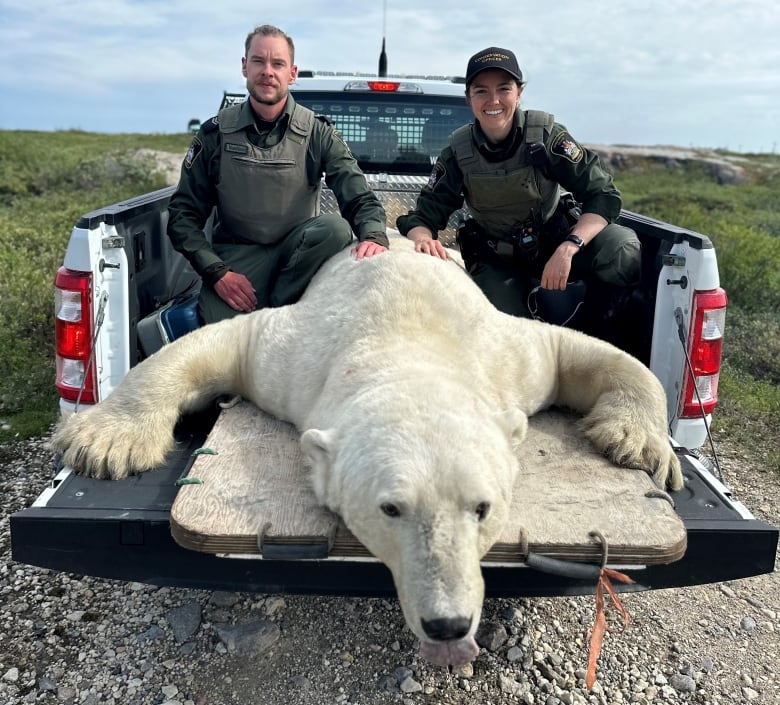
428	495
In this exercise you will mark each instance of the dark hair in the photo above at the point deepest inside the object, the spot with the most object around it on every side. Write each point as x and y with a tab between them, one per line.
268	30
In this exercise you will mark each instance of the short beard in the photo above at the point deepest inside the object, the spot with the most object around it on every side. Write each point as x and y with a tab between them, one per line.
280	97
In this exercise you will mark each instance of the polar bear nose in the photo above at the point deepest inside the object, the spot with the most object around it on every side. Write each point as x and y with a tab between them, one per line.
446	629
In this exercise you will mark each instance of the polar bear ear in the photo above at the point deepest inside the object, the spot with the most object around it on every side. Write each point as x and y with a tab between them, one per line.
319	449
515	424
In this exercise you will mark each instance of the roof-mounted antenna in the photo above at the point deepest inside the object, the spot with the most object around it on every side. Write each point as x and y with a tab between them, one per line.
383	56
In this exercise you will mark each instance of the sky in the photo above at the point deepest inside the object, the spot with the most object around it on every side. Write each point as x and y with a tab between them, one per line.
688	73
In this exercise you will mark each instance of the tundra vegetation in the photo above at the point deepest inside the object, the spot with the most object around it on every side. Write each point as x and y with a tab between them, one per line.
48	180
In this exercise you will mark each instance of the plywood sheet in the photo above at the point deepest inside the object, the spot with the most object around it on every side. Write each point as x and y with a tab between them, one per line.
253	496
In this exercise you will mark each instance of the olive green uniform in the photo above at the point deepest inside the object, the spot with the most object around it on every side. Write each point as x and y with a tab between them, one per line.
267	225
515	184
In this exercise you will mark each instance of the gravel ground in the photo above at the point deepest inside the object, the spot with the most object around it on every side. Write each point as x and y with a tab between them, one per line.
69	639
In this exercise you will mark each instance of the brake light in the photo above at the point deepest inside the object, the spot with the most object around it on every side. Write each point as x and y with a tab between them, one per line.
73	335
383	86
705	347
386	86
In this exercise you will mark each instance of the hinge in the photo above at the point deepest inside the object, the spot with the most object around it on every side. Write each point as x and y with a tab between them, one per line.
673	261
115	242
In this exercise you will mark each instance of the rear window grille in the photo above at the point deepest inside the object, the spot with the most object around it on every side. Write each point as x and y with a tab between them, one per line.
388	133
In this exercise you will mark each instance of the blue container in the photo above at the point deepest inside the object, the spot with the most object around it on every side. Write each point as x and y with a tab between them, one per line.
169	322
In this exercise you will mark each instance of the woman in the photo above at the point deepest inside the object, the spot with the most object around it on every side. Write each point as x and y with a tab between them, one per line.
511	166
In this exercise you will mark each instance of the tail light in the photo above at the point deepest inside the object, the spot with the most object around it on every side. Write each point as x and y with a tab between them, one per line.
73	333
705	346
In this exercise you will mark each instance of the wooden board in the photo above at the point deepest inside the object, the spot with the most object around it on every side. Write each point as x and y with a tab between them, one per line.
253	497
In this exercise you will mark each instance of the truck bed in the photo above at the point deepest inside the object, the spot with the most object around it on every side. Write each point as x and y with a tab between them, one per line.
142	528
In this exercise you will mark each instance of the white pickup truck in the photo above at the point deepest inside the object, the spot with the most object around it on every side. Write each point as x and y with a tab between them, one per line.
120	272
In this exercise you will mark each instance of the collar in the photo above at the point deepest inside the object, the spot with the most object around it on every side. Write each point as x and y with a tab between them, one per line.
507	146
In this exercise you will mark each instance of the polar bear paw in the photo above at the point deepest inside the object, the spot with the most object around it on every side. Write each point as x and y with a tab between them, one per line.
98	444
632	445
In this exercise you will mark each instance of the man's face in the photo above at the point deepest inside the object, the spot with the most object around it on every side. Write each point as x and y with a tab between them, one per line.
268	69
493	96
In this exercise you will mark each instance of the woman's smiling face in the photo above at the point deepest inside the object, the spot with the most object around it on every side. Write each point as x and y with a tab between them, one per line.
493	96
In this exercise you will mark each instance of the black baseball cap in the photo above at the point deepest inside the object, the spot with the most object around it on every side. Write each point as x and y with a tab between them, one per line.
493	58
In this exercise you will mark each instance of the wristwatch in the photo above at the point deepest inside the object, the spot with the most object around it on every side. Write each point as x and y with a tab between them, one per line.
571	237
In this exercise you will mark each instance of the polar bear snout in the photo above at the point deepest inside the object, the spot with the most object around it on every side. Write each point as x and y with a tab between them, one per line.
446	628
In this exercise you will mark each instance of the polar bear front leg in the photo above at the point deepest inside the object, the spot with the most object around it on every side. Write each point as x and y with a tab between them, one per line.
132	430
623	402
114	440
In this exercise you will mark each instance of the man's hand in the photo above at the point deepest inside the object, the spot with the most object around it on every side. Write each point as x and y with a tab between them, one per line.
237	292
424	242
367	249
556	271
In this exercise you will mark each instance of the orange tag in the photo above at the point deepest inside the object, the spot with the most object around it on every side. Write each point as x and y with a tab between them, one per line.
600	623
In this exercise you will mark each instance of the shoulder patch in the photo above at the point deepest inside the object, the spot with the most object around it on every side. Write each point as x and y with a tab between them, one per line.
564	145
192	153
438	171
337	135
323	118
210	125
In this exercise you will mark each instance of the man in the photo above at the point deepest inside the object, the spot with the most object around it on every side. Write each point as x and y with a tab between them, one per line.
510	166
260	164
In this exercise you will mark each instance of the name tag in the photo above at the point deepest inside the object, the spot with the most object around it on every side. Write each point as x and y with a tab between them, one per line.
236	148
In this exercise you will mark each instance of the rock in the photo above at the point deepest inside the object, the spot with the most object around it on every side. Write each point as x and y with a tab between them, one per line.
682	683
491	636
727	591
749	694
249	639
185	621
706	664
11	675
515	653
274	605
409	685
154	633
509	686
46	684
465	670
748	624
223	599
402	673
510	614
387	684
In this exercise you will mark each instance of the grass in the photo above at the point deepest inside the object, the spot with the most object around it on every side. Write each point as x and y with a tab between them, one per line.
743	222
48	180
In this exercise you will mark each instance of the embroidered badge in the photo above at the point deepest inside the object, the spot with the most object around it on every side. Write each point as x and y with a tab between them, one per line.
341	139
438	171
565	146
192	153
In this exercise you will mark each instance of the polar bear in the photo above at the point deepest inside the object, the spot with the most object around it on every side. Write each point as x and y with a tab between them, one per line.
411	393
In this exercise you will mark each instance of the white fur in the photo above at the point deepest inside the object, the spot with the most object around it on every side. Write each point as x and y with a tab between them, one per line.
412	394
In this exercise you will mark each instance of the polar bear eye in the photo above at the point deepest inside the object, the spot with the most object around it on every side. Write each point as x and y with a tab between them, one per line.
390	509
482	510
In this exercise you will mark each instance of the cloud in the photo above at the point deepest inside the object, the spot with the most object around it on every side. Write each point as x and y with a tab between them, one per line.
707	69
